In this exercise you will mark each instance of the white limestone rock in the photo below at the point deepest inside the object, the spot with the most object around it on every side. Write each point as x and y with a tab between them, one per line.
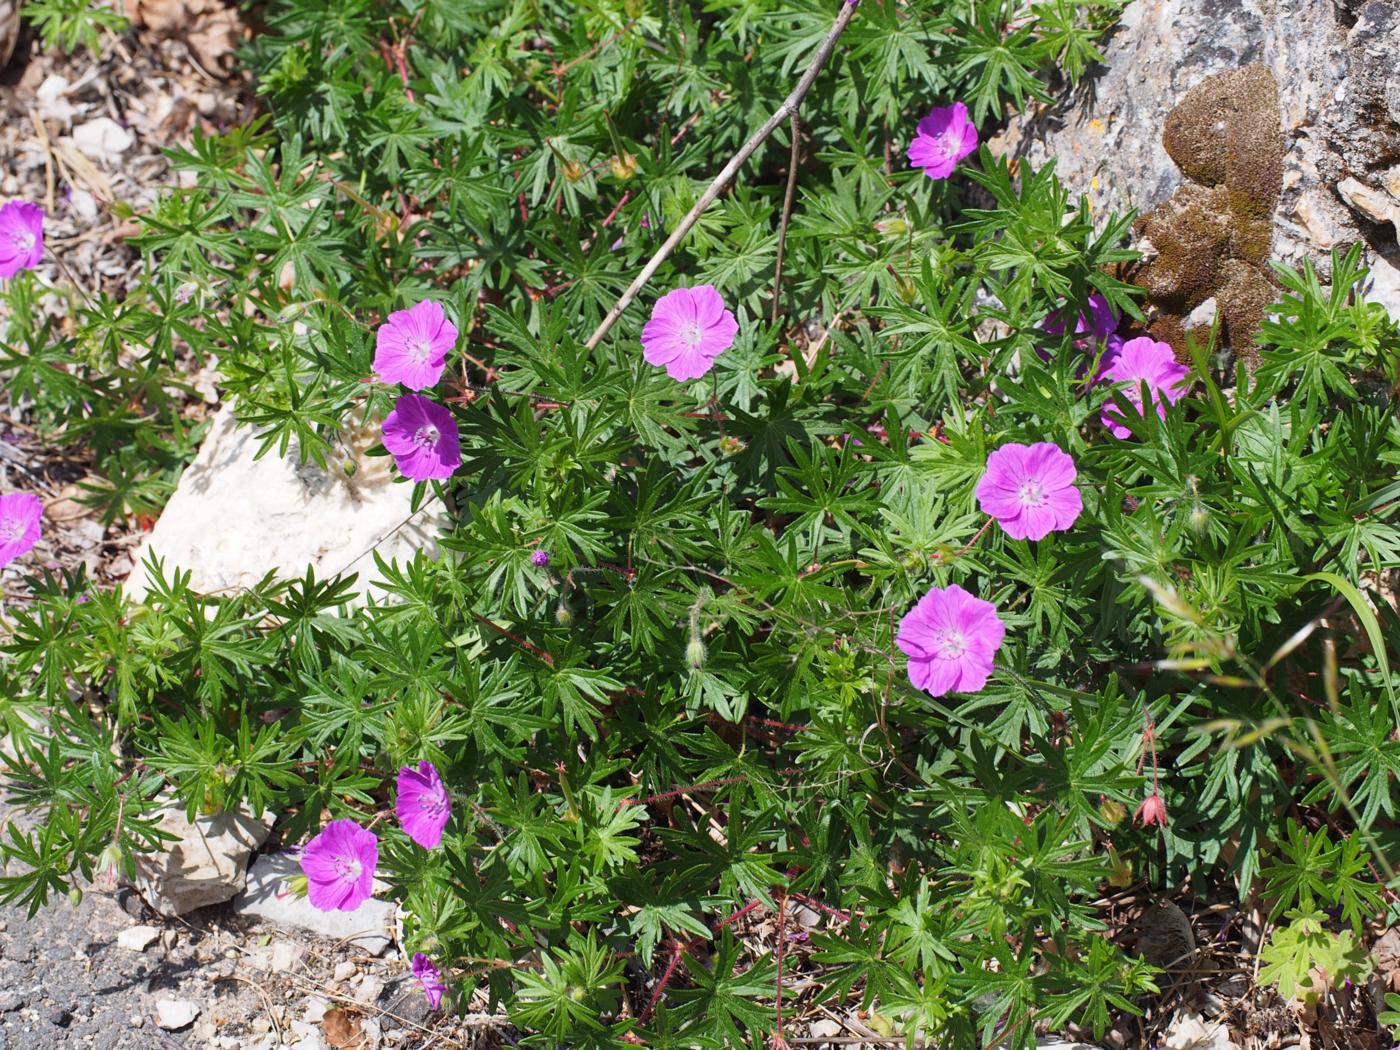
233	519
207	862
370	926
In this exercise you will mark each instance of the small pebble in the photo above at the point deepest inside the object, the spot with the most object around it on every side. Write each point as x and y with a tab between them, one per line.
60	1017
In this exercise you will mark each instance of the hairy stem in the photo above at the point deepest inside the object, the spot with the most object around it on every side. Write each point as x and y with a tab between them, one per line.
788	107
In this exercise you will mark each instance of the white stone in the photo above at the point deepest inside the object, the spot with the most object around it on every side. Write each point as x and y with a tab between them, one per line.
344	971
316	1007
174	1014
1370	202
52	96
1201	317
1383	287
369	926
103	139
369	990
284	955
206	862
137	938
233	519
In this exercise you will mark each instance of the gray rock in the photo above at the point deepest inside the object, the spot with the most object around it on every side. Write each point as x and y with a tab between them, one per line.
1339	97
370	926
206	862
234	518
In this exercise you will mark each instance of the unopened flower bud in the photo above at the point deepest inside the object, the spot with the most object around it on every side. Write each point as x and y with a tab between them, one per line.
573	170
894	228
908	291
730	445
623	167
1112	810
1198	519
75	896
695	654
563	615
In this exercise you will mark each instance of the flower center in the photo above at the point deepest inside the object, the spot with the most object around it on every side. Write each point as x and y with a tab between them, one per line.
949	644
347	868
426	436
1031	494
11	528
23	240
691	333
431	803
419	350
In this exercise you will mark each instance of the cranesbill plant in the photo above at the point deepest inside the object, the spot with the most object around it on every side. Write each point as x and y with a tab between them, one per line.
804	634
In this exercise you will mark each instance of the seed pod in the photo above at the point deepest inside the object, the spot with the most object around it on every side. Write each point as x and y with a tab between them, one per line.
623	167
695	654
563	615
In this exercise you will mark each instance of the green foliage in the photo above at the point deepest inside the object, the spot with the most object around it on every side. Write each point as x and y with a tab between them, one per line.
1304	959
65	24
695	717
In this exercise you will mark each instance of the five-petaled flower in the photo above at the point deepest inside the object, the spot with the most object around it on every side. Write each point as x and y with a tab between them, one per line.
1152	811
430	977
339	864
422	437
423	806
1030	490
943	138
689	328
1138	361
19	524
950	637
411	347
21	237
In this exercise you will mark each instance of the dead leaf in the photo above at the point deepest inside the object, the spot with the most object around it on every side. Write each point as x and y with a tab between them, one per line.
342	1029
65	506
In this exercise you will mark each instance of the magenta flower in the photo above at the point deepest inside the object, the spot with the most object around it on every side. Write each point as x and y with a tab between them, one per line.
339	864
430	977
944	137
422	437
539	557
1137	361
411	346
19	524
950	638
423	807
1030	490
689	328
21	237
1100	322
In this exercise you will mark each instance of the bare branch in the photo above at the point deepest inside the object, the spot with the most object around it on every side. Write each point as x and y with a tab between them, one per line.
788	107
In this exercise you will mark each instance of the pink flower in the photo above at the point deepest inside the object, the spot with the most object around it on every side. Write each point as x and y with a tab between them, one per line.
1100	322
1030	490
411	346
422	437
1152	811
423	806
944	137
1137	361
950	638
539	557
21	237
689	328
430	977
19	524
339	865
